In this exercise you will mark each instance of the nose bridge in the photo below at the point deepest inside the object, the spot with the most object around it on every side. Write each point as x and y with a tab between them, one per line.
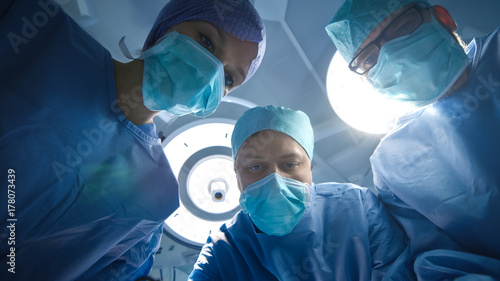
276	169
273	168
222	56
381	41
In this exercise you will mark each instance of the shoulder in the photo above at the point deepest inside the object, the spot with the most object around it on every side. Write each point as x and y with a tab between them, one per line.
339	189
493	35
44	23
347	201
225	251
229	231
340	194
486	46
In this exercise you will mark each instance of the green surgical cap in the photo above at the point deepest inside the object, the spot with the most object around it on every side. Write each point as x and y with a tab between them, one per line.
356	19
293	123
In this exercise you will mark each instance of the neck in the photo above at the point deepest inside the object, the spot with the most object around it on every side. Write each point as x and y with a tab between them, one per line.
128	80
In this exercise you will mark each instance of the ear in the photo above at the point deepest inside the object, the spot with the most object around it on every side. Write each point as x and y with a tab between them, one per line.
442	15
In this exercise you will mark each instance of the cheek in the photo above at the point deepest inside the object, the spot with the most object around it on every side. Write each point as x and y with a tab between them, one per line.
309	178
242	179
241	55
304	177
306	174
246	180
241	187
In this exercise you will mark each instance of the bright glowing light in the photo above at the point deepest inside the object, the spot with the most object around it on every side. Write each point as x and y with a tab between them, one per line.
355	101
190	228
194	139
201	177
211	171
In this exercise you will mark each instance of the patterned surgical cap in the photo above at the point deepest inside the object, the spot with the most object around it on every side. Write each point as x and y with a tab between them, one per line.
237	17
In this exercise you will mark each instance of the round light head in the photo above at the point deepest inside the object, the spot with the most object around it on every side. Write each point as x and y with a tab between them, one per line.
357	103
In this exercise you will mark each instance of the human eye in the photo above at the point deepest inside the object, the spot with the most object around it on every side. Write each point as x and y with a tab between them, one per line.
228	79
254	167
402	30
367	59
206	43
370	61
291	165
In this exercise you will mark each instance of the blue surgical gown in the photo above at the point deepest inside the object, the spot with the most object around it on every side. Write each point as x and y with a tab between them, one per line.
439	171
345	234
91	190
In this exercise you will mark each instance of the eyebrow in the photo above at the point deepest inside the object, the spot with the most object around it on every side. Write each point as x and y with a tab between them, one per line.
290	155
250	156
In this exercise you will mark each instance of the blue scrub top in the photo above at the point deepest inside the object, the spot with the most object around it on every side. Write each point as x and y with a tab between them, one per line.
345	234
91	190
439	171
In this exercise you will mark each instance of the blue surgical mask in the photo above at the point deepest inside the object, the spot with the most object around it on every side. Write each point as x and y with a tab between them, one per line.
275	204
419	68
181	77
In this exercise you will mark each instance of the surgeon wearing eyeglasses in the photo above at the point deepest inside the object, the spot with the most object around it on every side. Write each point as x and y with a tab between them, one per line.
438	171
85	177
291	228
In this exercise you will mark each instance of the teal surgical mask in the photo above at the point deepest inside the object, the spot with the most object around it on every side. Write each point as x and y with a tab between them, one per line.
275	204
181	77
419	68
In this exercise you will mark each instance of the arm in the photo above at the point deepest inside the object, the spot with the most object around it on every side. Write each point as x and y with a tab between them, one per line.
454	265
422	233
46	6
431	252
4	7
206	267
389	255
135	262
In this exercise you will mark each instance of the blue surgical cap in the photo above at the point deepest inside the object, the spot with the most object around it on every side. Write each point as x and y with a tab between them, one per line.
356	19
293	123
235	17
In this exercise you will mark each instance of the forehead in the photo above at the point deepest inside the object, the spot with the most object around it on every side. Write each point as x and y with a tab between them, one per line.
193	24
269	143
375	33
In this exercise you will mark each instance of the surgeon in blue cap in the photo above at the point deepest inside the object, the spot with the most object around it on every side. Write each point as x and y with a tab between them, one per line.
438	171
290	228
86	185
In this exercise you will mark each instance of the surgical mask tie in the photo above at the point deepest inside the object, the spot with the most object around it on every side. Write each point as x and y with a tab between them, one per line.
419	68
275	204
181	77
